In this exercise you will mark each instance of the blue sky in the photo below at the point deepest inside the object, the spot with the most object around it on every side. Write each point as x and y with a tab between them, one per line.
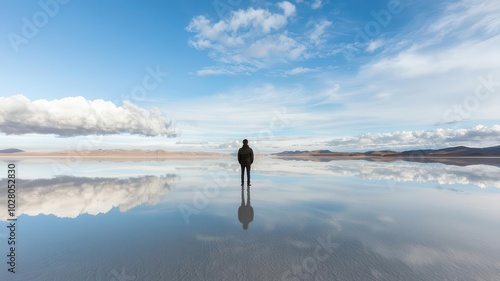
202	75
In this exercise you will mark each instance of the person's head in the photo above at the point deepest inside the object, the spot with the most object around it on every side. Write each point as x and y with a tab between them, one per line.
245	226
245	142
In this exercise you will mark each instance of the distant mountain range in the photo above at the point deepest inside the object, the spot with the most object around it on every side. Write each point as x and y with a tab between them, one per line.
11	150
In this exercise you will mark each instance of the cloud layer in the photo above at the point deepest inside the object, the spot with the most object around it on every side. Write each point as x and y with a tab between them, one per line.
73	116
479	136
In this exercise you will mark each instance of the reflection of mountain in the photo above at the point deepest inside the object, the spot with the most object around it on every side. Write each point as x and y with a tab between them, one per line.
460	155
72	196
11	150
456	151
478	175
445	152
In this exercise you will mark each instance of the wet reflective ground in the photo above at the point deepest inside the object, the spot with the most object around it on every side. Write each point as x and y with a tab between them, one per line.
190	220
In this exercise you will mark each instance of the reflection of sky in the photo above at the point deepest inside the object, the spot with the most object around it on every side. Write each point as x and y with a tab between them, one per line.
409	230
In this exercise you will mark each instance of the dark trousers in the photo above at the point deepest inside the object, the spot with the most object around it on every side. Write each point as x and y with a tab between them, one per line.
243	167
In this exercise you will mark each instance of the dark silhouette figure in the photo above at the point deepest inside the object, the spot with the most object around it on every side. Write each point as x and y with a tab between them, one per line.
245	158
245	211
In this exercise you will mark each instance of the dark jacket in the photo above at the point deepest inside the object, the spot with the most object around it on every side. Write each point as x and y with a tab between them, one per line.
245	155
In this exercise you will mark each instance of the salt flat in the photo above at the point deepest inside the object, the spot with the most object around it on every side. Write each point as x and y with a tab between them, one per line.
179	220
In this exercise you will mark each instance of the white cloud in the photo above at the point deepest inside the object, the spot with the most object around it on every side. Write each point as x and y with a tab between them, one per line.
262	37
258	38
225	70
464	36
317	35
288	8
467	18
374	45
424	73
479	136
276	48
273	141
73	116
246	36
469	55
299	70
230	145
415	79
317	4
213	71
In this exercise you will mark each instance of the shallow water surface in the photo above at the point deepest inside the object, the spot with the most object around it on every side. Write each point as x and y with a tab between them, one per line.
299	220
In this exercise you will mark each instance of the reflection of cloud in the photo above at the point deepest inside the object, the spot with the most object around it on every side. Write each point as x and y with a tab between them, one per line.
420	255
73	196
478	175
73	116
450	257
211	238
271	257
385	219
300	244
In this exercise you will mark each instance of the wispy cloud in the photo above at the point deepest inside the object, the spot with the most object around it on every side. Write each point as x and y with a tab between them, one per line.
316	4
463	36
425	68
299	70
239	112
318	33
73	116
467	18
374	45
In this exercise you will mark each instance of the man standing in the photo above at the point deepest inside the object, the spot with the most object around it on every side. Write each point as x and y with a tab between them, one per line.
245	158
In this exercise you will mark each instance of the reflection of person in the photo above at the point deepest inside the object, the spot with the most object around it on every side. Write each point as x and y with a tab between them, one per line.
245	211
245	158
